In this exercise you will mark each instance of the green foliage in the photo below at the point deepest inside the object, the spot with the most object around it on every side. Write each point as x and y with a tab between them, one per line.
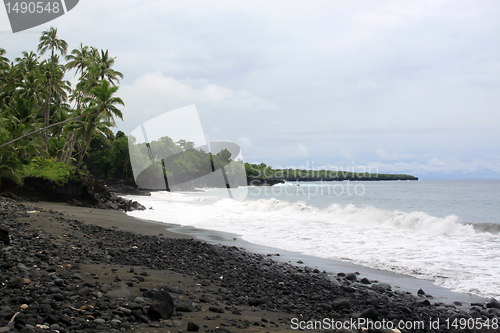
262	171
98	159
11	167
179	159
58	172
34	94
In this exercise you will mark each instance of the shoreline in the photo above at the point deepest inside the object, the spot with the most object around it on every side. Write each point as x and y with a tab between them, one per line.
228	289
402	282
332	267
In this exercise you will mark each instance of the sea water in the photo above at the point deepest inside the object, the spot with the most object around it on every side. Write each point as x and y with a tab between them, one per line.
444	231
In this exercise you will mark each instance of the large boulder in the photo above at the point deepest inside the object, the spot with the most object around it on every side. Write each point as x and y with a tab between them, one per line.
4	235
162	306
493	303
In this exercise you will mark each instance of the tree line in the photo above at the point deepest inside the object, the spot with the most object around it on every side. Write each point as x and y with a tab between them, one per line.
43	117
263	171
110	159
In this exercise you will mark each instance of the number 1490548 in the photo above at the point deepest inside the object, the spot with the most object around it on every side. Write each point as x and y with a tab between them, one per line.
32	7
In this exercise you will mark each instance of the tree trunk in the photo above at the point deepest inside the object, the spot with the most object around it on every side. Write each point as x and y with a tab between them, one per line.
47	127
46	114
83	152
70	151
66	147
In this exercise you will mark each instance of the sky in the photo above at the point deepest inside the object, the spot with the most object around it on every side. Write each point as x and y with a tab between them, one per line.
395	86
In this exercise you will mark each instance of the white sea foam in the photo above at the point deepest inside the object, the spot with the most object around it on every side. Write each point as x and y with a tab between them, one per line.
443	250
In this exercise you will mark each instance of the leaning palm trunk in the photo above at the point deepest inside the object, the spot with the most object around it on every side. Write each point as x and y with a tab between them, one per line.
83	152
47	127
70	150
65	149
46	113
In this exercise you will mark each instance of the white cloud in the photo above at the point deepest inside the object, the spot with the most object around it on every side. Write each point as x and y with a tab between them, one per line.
153	94
154	87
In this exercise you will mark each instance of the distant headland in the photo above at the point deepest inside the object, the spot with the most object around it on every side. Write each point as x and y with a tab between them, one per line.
262	174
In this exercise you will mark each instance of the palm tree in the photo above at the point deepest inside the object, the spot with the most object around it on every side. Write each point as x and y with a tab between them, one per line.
102	112
85	128
102	67
49	41
60	87
80	59
4	62
103	103
9	81
4	67
31	78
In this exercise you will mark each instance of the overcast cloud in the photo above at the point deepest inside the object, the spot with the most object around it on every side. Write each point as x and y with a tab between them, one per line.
406	87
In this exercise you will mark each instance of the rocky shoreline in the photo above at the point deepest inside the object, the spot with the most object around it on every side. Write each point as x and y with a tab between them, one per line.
87	192
62	274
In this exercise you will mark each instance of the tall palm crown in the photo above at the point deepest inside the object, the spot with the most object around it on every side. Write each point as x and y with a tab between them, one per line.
79	59
49	41
4	62
30	76
4	73
102	67
103	103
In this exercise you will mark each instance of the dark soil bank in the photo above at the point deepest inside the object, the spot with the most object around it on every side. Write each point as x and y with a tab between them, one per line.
46	285
87	192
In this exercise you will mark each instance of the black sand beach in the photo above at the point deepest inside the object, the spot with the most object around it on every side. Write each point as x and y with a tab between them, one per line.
72	269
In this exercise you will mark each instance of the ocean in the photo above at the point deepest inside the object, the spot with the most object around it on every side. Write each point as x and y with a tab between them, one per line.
444	231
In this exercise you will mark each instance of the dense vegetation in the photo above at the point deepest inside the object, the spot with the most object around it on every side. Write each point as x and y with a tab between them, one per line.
111	158
44	122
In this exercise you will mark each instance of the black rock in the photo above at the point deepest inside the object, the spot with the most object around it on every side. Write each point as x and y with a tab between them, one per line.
216	309
162	306
15	283
423	302
139	316
494	311
370	313
351	277
342	303
45	308
254	302
475	315
192	327
365	281
326	307
185	306
4	235
493	303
